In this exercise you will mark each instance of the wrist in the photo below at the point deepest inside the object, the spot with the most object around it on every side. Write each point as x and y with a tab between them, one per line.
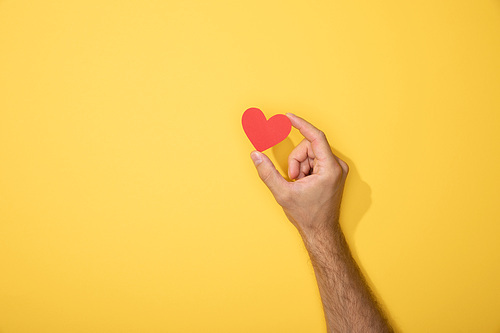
321	235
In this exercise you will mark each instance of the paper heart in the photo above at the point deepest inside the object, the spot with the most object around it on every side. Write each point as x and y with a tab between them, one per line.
262	133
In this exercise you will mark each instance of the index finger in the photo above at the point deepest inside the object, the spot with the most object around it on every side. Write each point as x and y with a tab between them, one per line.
318	140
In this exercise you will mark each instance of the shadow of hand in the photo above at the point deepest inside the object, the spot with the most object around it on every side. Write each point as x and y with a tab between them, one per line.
356	199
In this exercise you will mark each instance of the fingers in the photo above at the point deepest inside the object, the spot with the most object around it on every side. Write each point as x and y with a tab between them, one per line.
298	158
343	165
305	169
318	140
269	175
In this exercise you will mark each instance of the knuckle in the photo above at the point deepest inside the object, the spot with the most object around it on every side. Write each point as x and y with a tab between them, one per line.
336	173
345	167
305	168
321	134
266	176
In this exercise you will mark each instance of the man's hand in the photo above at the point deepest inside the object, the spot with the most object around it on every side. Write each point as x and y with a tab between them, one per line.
312	204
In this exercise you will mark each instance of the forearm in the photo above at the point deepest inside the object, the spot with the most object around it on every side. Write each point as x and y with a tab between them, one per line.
312	204
348	303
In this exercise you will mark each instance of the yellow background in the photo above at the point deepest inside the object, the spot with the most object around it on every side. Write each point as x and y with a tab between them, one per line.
128	199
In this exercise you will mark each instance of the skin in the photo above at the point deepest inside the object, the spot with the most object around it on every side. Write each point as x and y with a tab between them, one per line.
312	204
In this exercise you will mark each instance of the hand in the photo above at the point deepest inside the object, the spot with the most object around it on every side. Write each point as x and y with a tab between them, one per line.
312	201
312	204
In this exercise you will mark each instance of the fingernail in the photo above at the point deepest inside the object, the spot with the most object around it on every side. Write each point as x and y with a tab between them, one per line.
256	158
289	113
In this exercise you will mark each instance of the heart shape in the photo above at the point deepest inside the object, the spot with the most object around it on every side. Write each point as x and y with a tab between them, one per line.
262	133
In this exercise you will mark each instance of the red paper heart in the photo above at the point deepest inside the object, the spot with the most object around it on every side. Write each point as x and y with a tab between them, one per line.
262	133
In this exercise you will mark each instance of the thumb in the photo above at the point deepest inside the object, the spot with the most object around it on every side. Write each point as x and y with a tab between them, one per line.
268	173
